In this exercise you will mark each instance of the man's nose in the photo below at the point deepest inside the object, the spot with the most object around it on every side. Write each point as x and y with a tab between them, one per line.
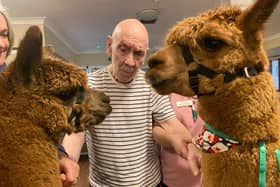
130	59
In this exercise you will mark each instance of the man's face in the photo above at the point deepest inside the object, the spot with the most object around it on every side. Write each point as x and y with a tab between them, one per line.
4	42
128	54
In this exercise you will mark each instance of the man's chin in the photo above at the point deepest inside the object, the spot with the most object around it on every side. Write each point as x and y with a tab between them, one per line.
128	77
126	80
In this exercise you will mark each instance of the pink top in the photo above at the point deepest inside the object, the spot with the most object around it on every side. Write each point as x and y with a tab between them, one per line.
175	170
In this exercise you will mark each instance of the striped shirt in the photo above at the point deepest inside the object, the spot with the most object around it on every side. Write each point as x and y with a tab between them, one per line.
121	149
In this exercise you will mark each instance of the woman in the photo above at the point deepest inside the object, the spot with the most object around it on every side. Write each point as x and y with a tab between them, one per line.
6	39
177	171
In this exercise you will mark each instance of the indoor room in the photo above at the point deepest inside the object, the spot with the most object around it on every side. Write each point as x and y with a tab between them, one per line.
80	32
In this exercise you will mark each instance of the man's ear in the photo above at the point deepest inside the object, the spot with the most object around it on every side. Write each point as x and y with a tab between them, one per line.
109	42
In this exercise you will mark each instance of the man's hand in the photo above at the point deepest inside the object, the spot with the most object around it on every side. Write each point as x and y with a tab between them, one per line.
173	136
69	171
194	159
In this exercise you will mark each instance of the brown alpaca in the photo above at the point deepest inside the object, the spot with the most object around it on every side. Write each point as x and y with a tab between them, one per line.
219	56
40	98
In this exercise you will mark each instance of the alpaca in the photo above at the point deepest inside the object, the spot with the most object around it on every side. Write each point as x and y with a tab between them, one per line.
41	98
218	55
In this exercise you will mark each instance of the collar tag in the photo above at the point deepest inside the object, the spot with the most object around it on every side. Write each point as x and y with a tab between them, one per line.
184	103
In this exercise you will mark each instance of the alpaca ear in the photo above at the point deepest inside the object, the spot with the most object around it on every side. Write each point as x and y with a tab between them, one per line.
253	18
29	54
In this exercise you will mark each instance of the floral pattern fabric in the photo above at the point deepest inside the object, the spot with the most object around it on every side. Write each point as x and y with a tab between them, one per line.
210	142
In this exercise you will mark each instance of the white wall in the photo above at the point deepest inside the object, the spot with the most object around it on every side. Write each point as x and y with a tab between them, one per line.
58	46
271	43
19	32
94	59
272	46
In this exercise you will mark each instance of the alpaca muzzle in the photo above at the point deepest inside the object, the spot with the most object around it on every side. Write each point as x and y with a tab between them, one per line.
76	112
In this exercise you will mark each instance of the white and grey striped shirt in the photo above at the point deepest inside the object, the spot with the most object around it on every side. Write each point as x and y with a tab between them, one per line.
121	149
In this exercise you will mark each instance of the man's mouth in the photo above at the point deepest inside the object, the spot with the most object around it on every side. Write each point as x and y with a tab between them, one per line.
128	70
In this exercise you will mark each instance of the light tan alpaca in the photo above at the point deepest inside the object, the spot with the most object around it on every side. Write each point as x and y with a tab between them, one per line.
219	56
40	98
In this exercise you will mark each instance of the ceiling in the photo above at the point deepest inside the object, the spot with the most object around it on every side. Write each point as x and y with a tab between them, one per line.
84	24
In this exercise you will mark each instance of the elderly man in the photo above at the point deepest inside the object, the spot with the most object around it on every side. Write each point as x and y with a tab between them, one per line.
122	150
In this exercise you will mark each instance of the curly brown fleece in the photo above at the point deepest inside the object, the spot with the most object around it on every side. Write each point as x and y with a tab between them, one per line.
226	40
38	94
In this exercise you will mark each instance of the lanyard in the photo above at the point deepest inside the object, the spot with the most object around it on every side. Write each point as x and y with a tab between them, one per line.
262	166
194	113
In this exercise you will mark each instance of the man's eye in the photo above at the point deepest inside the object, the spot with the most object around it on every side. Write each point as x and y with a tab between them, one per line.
139	53
123	49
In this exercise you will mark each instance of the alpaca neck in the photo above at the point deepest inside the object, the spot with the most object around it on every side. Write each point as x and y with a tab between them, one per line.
246	109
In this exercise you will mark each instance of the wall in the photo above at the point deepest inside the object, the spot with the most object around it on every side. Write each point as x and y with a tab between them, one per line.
59	46
274	53
20	26
272	41
94	59
20	29
272	46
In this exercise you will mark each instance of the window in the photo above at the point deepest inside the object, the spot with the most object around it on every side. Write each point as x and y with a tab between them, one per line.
274	69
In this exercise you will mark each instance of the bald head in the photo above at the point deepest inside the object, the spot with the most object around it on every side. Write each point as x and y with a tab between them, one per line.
127	48
131	27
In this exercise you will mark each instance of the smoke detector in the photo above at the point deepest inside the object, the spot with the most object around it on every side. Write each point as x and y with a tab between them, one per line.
148	16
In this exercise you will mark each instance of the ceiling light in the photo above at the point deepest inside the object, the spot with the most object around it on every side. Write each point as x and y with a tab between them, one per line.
148	16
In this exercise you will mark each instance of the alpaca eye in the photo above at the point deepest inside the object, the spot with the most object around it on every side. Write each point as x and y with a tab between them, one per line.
213	44
68	95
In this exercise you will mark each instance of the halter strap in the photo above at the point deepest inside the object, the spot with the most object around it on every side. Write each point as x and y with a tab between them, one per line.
247	71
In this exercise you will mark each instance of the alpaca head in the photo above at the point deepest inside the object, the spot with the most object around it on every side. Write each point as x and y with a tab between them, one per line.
220	42
49	91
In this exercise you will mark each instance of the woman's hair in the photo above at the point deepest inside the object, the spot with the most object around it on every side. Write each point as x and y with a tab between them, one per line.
10	31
